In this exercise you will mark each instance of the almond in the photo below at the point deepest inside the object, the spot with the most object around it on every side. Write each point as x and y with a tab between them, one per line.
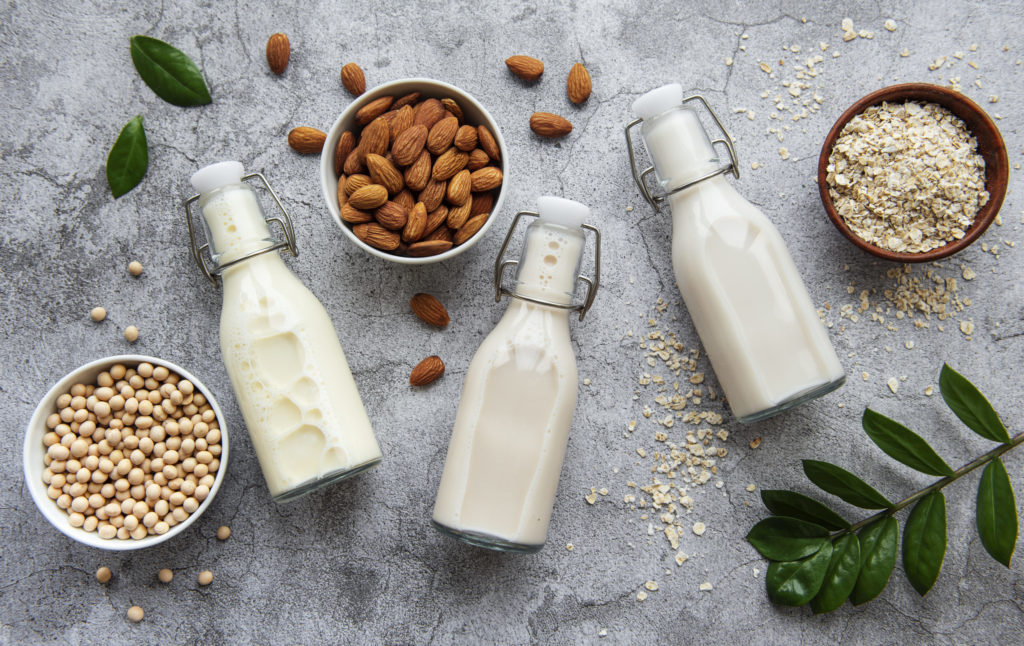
579	84
409	144
477	160
416	224
373	109
458	188
440	233
428	248
346	142
417	175
458	215
432	194
546	124
409	99
353	79
465	138
450	162
405	198
306	140
428	113
278	53
429	370
354	162
377	236
342	195
435	218
442	134
355	216
487	178
469	229
384	173
527	68
429	310
356	182
401	121
482	203
488	143
375	137
451	106
368	197
392	216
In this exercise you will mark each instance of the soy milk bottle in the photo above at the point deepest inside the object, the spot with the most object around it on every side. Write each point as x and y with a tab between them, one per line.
741	287
512	426
293	384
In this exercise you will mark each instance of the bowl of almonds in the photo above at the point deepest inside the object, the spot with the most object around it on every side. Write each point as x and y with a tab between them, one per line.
413	171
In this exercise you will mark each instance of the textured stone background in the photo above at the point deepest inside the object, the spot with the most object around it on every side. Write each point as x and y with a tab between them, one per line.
359	563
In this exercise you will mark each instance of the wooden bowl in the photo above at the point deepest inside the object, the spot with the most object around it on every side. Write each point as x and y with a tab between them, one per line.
990	146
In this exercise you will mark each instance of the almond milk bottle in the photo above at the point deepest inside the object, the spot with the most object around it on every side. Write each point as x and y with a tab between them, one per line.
506	450
741	287
293	385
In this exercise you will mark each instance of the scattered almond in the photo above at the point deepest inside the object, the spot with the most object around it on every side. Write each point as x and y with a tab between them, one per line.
429	309
278	53
547	124
306	140
427	371
525	67
353	79
579	85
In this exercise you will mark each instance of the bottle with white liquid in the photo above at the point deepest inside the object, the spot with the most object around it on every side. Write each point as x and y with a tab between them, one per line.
505	455
296	393
741	287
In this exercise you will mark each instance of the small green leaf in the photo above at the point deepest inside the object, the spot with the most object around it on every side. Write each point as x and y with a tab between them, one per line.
878	546
904	445
169	72
840	576
781	538
794	583
970	406
797	505
997	512
840	482
924	542
128	158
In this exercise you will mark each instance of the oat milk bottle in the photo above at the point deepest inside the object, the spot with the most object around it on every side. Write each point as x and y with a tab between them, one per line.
747	301
505	454
297	396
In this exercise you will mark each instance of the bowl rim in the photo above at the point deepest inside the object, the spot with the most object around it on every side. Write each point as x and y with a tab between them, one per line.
329	181
56	516
996	175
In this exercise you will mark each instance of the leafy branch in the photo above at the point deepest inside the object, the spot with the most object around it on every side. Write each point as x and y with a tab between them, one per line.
820	558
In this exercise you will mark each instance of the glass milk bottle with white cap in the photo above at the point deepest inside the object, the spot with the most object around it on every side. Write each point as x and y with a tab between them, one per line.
741	287
293	384
505	455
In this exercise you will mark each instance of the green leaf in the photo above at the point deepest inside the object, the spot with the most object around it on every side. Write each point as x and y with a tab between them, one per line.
924	542
878	547
904	445
997	512
970	406
794	583
781	538
842	483
169	72
128	158
797	505
840	576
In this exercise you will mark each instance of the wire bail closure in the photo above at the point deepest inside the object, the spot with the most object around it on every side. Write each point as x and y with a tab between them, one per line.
640	177
592	283
211	273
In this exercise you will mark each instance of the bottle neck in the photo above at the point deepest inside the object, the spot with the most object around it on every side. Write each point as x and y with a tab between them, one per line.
679	147
550	262
235	223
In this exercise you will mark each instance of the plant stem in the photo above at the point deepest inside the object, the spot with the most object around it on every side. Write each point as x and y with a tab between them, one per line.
937	485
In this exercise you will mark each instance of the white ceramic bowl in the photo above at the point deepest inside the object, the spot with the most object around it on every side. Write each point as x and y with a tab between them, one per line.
474	113
33	454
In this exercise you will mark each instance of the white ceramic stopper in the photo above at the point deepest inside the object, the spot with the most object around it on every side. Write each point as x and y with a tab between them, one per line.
216	175
559	210
659	100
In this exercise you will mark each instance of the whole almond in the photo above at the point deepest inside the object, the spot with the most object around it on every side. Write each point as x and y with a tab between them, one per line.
469	229
417	175
377	236
459	187
477	159
485	179
442	134
428	248
428	113
429	309
354	162
375	137
405	198
355	216
488	143
278	53
353	79
384	173
306	140
342	195
579	85
440	233
451	106
465	138
450	162
458	215
368	197
435	218
392	216
482	203
527	68
409	144
355	182
373	109
416	224
346	142
547	124
429	370
401	121
432	194
409	99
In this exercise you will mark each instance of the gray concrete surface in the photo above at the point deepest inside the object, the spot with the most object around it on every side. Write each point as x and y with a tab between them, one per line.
359	563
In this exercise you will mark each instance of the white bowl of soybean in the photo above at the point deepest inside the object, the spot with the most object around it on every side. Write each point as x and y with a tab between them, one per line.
34	453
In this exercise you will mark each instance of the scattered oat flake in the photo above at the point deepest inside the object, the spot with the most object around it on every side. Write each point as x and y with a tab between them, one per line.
640	596
905	53
728	60
968	273
894	384
751	487
784	153
909	344
603	632
864	376
570	546
706	586
765	67
756	442
890	25
699	528
681	557
651	585
967	327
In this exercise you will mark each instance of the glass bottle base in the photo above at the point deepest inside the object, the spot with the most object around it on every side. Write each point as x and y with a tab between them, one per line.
486	541
320	483
795	401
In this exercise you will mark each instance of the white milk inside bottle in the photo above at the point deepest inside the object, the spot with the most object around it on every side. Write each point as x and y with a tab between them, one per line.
304	415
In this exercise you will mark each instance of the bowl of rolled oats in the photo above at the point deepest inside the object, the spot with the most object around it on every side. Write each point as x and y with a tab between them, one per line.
913	172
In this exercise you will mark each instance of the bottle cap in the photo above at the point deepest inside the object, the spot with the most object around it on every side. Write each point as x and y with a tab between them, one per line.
559	210
216	175
659	100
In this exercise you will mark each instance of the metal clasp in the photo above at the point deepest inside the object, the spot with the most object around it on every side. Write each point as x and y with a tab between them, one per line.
213	271
640	177
592	284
